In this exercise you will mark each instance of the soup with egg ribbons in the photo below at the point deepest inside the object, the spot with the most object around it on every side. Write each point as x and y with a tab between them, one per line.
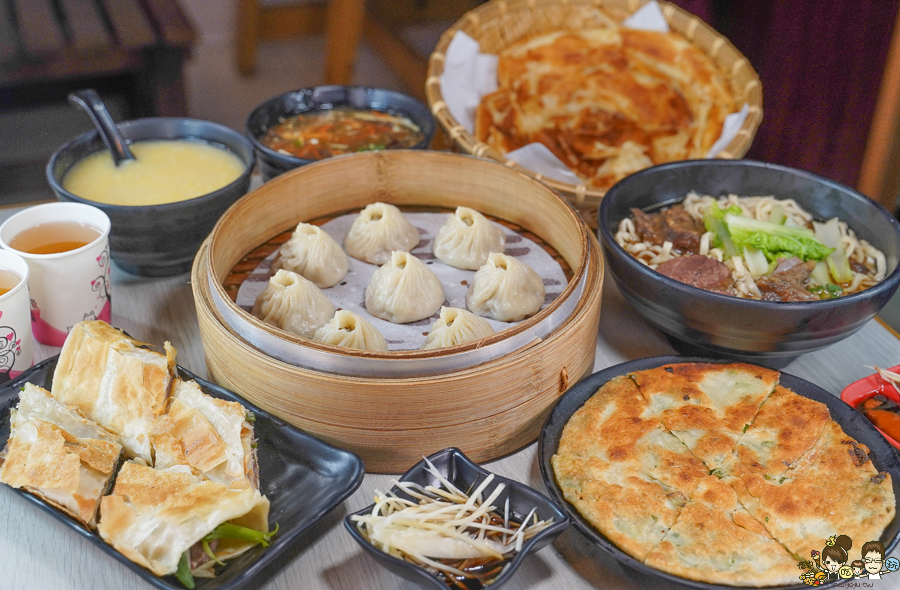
164	171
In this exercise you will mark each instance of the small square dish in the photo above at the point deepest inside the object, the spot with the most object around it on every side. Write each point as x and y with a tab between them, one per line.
466	476
858	392
303	477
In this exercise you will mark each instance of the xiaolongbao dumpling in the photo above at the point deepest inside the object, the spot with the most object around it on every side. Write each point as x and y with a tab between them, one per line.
293	303
456	326
349	330
505	290
314	255
466	240
379	230
404	290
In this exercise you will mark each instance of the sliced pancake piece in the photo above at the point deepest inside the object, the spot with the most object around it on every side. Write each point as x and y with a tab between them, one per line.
834	488
628	508
706	405
786	427
210	435
115	382
715	540
57	454
616	426
154	515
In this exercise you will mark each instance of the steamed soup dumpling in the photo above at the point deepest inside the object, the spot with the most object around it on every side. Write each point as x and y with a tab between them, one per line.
351	331
404	290
313	254
456	326
294	304
466	240
505	290
379	230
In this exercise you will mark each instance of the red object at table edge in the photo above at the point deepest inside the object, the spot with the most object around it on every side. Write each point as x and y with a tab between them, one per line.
859	391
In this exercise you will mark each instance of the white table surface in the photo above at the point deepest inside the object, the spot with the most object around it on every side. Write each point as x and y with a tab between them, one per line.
39	553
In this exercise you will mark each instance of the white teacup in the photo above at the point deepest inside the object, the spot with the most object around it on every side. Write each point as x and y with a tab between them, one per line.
66	287
16	354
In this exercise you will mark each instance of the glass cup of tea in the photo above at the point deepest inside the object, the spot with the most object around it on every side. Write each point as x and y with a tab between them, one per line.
16	350
66	246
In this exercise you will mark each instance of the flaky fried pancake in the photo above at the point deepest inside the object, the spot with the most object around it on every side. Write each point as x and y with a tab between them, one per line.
780	477
629	508
786	427
715	540
607	102
115	382
154	515
834	489
57	454
616	426
210	435
707	406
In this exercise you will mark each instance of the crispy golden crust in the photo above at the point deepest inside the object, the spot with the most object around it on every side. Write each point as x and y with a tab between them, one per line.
790	477
607	102
57	454
153	516
209	434
629	509
617	426
716	541
829	493
707	406
787	426
114	382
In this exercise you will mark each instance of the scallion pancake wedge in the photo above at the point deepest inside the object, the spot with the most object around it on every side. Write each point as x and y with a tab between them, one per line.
786	427
616	426
835	489
630	509
707	406
715	540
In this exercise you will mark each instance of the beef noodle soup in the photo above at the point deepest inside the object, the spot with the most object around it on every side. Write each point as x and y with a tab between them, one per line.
752	247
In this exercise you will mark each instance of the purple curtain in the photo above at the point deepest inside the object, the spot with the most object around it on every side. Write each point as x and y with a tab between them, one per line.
820	63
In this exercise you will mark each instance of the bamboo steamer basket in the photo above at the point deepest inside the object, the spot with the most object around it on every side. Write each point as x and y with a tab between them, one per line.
501	23
488	409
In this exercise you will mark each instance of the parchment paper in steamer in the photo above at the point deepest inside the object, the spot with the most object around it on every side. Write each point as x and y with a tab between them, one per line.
468	80
349	293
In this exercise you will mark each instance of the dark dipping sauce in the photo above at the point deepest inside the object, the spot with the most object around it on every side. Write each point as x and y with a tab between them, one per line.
884	413
334	132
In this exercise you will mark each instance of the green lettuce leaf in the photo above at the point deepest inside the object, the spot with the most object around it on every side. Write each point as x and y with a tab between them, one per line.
775	241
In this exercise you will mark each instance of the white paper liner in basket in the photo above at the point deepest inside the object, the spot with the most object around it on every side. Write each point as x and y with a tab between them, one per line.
346	298
469	75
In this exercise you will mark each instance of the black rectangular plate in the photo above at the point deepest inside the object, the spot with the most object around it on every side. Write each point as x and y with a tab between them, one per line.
303	477
854	424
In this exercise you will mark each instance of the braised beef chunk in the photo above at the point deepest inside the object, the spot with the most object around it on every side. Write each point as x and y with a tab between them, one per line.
858	267
198	556
682	230
701	272
650	228
788	281
672	225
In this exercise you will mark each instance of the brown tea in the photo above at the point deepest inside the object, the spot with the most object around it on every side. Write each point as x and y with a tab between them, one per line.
53	238
8	281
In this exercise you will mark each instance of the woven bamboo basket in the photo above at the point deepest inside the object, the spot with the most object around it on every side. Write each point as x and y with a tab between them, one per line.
488	409
500	23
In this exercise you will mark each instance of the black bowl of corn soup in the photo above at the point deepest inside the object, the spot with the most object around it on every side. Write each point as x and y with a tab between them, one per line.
162	206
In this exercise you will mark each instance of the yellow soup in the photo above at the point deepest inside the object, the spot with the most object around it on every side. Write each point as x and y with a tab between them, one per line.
165	171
